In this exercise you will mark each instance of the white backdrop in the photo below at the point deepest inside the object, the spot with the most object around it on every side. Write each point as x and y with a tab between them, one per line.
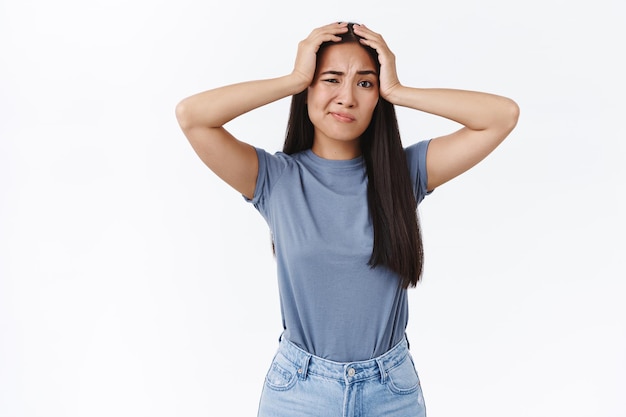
135	283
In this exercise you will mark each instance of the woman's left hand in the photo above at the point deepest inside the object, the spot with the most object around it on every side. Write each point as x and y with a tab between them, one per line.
388	75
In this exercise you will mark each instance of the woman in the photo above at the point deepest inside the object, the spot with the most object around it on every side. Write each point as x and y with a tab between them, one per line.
340	201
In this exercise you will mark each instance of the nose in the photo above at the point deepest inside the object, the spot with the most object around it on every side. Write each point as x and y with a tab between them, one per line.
346	96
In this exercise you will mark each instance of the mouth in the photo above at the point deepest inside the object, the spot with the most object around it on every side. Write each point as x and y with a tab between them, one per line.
343	117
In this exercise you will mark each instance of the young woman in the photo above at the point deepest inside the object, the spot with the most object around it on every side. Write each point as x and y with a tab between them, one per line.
340	201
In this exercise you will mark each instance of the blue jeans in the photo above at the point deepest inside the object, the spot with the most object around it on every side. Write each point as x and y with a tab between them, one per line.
299	384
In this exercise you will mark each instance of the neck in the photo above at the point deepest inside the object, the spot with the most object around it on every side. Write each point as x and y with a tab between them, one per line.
338	150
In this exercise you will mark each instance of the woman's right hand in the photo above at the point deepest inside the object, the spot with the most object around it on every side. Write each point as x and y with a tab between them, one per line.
203	115
306	58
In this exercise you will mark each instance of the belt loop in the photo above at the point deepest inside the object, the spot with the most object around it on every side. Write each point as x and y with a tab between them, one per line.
383	372
304	368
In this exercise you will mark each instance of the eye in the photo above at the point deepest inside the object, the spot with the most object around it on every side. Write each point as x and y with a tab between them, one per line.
366	84
331	80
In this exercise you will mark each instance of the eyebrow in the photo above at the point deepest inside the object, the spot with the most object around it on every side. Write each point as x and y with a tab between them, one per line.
362	72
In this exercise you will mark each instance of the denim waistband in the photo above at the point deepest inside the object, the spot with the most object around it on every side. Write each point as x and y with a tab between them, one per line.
348	372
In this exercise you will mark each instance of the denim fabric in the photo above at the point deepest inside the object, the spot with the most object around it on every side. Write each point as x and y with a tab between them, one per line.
299	384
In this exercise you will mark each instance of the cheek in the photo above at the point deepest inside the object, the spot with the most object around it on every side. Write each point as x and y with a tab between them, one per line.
374	101
316	107
311	103
311	108
371	107
369	99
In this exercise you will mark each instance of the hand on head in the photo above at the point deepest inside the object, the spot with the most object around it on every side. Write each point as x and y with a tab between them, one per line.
307	49
388	76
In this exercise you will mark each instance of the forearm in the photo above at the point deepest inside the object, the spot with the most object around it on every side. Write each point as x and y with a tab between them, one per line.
475	110
214	108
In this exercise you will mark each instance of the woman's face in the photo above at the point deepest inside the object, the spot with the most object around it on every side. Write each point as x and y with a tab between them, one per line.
343	94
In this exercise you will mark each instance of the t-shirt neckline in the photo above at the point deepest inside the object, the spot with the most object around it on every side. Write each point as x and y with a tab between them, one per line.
334	163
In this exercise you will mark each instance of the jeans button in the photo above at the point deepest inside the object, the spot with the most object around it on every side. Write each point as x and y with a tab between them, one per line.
351	372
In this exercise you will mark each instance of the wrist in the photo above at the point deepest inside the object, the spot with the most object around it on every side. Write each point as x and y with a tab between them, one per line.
393	93
299	80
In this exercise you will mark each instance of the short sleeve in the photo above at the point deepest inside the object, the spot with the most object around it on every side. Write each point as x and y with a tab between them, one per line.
271	168
416	160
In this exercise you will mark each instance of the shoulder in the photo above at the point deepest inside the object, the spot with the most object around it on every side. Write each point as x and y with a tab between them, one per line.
417	150
280	161
279	155
416	162
277	170
274	166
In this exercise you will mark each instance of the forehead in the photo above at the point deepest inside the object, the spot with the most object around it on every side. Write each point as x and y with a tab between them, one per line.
346	55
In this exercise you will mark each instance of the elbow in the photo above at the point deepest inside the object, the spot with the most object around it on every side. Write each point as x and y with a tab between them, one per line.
512	112
183	115
506	120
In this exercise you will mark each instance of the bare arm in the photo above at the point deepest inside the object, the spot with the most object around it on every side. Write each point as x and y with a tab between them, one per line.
487	119
202	116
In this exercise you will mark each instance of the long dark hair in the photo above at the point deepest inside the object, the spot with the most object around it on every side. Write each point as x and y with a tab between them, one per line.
392	205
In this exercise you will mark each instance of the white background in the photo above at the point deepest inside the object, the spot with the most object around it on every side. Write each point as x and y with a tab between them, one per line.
134	283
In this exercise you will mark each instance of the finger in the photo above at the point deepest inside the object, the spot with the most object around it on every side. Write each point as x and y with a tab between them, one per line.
364	30
374	42
368	34
337	27
328	33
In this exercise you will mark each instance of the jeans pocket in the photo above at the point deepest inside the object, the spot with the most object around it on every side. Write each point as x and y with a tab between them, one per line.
403	378
282	374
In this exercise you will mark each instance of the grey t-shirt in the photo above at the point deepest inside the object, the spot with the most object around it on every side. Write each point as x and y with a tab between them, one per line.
333	304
